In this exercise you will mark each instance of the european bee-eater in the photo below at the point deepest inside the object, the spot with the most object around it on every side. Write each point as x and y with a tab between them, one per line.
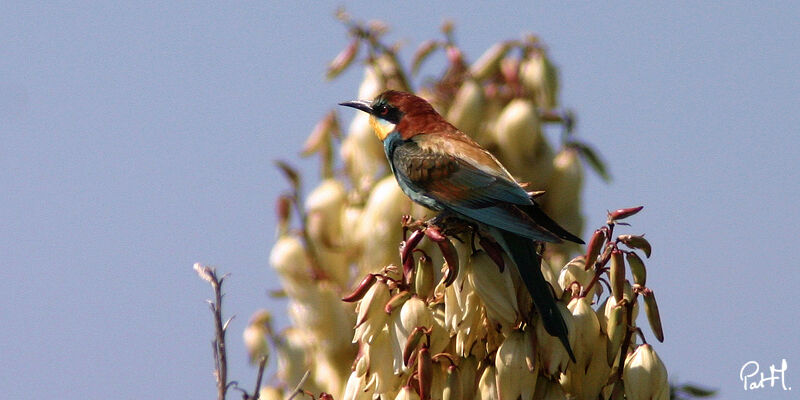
441	168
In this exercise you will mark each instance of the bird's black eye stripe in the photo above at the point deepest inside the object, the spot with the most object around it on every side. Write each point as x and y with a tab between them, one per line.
385	111
381	109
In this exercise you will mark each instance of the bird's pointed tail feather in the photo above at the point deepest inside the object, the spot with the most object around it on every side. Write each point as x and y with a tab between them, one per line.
523	253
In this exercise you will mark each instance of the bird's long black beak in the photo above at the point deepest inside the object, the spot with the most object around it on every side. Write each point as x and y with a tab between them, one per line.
363	105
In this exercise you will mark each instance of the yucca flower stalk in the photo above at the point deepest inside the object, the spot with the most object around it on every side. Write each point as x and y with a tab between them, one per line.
384	306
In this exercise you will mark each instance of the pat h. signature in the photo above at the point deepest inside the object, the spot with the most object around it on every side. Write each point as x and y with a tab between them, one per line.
753	378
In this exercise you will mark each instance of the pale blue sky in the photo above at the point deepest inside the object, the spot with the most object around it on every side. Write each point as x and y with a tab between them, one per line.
138	139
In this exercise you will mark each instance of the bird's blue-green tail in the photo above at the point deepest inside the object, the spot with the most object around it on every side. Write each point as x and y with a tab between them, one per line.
523	252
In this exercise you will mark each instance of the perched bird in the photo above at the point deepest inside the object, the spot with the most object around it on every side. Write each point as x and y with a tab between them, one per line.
441	168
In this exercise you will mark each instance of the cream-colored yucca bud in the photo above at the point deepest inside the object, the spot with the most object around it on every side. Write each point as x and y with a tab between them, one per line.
414	313
372	318
517	133
452	310
540	77
382	379
495	289
552	354
575	271
331	375
322	314
472	329
423	277
563	198
325	208
288	257
370	86
362	154
407	393
350	217
468	108
270	393
355	388
468	369
537	169
463	312
587	383
564	189
455	295
378	229
452	386
256	336
618	333
547	389
645	376
516	374
598	370
391	72
587	328
290	349
440	335
487	384
489	62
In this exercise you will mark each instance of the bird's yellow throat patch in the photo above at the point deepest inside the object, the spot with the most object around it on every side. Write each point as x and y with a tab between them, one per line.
381	127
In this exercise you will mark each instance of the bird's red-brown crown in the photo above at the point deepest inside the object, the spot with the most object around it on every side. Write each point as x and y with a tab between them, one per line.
418	116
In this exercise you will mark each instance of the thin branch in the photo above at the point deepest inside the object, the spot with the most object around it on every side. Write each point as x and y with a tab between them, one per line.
299	388
209	275
262	363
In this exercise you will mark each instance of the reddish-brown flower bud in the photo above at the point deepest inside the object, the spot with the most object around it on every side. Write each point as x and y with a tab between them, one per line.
320	135
424	373
406	248
411	344
594	247
283	208
623	213
423	51
494	251
343	59
433	233
617	275
636	242
451	258
361	290
454	56
290	173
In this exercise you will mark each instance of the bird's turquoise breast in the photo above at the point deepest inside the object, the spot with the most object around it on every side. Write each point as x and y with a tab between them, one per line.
412	190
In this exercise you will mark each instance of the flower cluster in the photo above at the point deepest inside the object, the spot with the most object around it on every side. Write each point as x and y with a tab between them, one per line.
445	315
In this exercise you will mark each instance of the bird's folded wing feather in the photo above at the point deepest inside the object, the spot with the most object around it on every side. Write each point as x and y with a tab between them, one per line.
467	180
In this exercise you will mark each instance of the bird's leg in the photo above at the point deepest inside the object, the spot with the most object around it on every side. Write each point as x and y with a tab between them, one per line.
450	224
409	223
472	241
